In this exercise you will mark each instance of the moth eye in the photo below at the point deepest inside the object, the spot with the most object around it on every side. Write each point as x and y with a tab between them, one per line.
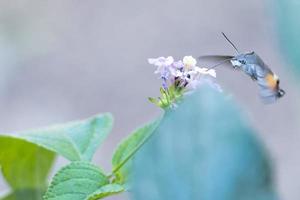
278	81
243	62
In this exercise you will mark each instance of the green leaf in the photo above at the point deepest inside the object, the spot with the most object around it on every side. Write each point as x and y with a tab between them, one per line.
122	157
25	167
203	149
26	194
155	101
105	191
76	181
74	140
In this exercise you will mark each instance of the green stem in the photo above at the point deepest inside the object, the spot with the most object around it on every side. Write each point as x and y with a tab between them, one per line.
133	152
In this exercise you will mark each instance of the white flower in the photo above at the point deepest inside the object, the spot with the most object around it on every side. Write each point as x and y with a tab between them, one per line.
206	71
189	62
197	75
175	72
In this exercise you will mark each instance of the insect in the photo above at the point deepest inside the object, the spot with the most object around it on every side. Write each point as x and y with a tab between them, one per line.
251	64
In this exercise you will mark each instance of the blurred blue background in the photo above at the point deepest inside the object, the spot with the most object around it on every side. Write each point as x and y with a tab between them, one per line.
66	60
203	150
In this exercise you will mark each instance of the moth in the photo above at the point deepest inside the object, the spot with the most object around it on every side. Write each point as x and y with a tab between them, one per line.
252	65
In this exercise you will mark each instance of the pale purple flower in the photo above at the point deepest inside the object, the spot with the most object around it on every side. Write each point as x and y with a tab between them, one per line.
163	68
162	63
165	75
184	74
176	69
178	65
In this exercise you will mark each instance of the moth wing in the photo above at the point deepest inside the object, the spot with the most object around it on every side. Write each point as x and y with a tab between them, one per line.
216	60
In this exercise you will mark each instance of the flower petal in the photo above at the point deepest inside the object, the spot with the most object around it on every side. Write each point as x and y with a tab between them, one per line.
212	72
169	60
206	71
189	61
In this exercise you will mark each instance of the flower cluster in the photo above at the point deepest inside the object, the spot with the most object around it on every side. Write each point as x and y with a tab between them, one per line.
179	77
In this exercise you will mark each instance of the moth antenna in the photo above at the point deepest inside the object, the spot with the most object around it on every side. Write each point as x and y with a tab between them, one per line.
230	43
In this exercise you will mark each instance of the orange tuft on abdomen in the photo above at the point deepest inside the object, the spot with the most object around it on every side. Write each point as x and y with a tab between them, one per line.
271	81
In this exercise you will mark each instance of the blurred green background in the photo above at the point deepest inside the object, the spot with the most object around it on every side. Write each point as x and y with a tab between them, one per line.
288	28
65	60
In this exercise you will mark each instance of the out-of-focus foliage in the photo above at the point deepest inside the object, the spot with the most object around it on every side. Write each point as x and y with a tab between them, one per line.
26	158
203	150
75	140
89	181
288	15
25	166
79	181
105	191
26	194
122	158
